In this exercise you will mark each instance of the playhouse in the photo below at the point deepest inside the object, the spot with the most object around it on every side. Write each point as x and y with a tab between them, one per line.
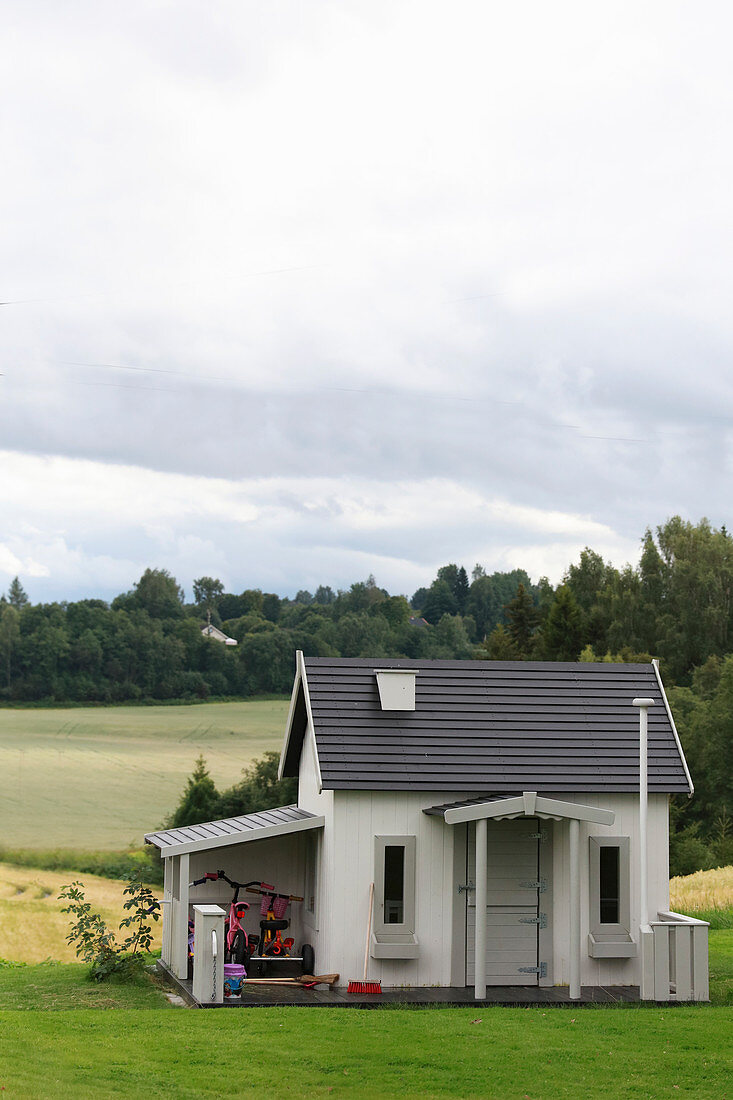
496	807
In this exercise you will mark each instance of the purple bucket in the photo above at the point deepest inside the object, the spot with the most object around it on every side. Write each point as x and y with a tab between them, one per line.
234	975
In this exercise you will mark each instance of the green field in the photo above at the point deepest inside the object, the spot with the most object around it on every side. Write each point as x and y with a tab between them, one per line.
100	777
29	903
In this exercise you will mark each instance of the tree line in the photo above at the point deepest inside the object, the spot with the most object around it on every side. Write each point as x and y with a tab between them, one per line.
147	644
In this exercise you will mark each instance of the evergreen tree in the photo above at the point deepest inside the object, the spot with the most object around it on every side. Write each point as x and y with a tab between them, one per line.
461	590
562	633
499	645
199	801
259	789
16	595
522	618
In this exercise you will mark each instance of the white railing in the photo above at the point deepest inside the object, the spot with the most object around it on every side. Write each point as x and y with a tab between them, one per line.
674	959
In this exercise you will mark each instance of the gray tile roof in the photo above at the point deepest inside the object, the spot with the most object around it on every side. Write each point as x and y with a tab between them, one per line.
489	726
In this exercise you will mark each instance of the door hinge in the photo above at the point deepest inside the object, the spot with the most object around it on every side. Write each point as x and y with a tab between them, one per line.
466	886
541	970
538	884
541	920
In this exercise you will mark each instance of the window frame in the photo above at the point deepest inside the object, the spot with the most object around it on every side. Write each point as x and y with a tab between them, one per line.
623	925
406	927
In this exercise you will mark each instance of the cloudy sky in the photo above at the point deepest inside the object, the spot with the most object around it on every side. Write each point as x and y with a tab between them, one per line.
294	293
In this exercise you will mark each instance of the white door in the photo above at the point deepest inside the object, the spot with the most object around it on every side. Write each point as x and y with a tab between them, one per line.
513	911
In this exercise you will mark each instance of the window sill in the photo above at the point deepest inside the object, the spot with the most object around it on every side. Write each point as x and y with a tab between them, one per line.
393	945
613	946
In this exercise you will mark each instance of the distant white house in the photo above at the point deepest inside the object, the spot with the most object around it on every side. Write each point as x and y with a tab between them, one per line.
210	631
496	808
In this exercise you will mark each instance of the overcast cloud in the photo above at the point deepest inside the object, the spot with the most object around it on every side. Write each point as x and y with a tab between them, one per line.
302	292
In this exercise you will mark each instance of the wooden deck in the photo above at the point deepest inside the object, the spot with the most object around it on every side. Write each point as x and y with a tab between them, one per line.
271	996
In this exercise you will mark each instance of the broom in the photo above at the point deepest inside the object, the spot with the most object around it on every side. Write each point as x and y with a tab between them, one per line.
366	986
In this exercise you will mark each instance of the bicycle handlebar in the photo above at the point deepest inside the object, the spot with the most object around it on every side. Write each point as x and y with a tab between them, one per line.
211	875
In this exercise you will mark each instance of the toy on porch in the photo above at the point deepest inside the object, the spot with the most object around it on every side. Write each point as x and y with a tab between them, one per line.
239	945
272	944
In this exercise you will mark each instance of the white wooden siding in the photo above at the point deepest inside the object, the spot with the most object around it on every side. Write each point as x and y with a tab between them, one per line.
626	807
359	816
317	928
440	918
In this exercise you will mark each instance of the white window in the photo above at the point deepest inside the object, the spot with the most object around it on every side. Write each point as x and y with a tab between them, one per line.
610	898
609	884
394	885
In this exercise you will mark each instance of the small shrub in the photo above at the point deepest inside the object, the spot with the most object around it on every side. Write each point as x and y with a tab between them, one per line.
97	945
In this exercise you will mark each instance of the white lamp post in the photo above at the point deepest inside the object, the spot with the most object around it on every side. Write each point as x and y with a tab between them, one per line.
643	705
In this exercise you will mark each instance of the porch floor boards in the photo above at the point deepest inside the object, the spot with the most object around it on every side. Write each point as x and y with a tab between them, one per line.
264	996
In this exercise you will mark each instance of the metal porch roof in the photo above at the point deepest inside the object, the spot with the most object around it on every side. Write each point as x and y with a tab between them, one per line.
233	830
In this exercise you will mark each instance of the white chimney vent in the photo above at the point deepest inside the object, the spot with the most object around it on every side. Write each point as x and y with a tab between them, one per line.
396	688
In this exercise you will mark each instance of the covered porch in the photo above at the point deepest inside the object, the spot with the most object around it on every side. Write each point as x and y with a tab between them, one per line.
269	846
671	949
529	804
277	995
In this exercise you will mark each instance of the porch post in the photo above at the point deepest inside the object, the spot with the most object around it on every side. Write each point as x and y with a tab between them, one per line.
481	900
179	927
165	953
574	856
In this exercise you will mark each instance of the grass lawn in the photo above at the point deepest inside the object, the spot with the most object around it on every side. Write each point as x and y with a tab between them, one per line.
101	777
62	986
536	1053
32	926
721	966
502	1053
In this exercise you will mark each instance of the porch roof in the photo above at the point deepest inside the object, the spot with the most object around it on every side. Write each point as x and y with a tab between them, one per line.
234	830
526	804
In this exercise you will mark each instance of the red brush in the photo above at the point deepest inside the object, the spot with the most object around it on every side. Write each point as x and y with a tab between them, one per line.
366	985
